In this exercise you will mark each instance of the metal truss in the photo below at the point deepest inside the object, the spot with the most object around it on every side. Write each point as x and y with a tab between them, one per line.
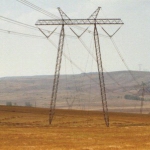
95	14
80	22
142	99
56	76
92	20
101	76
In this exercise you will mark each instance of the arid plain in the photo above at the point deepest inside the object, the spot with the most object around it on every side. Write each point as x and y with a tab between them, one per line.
23	128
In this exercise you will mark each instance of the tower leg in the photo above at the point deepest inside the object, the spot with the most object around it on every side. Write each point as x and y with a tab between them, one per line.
142	100
101	76
56	76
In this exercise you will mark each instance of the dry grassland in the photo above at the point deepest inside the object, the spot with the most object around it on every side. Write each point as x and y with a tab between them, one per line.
24	128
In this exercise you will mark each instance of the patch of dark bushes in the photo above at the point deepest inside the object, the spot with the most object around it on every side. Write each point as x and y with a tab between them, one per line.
132	97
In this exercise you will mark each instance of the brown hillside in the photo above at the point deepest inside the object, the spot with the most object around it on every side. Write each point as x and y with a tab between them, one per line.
79	91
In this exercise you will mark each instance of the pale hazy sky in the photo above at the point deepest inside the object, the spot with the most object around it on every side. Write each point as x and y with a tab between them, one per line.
21	56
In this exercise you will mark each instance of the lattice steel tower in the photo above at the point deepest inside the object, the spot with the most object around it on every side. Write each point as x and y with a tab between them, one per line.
66	21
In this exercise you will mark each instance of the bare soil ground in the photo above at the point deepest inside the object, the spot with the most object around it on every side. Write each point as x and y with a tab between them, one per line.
23	128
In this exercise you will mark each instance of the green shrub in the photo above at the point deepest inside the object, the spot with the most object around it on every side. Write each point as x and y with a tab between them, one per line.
28	104
132	97
8	103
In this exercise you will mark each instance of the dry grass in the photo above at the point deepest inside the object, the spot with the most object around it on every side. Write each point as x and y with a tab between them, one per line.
24	128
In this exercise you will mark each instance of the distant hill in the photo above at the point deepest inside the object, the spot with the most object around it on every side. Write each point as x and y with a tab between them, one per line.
76	90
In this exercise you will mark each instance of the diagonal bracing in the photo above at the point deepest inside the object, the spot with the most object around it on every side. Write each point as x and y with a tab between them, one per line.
92	20
101	76
56	76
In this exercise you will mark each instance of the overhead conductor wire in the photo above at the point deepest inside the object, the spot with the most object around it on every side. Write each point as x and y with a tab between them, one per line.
25	2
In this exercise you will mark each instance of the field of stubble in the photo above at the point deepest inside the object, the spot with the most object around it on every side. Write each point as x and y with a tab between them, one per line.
23	128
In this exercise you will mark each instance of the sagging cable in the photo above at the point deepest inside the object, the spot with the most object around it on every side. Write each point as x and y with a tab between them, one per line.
81	33
112	34
50	33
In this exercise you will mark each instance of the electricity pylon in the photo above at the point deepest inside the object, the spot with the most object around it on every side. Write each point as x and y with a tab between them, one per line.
66	21
142	99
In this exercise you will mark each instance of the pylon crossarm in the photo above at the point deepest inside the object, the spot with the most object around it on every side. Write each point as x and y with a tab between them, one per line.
79	22
95	13
65	20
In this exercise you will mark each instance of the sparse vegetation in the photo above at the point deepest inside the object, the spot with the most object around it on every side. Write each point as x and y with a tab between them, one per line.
27	128
15	104
133	97
28	89
28	104
8	103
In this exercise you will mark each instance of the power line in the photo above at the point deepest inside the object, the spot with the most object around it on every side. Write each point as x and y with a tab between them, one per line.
31	5
47	4
29	26
29	35
64	15
35	28
69	59
119	53
73	63
17	33
117	49
21	34
18	23
88	50
89	76
82	42
27	3
35	36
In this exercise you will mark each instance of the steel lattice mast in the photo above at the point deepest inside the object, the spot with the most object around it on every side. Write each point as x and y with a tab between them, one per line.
65	20
142	99
101	76
56	76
